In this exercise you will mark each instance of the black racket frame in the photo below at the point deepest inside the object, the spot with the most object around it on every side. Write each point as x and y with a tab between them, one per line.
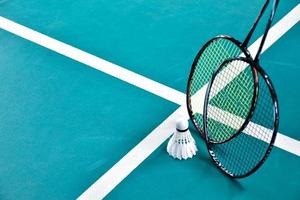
253	63
194	65
243	48
256	67
252	106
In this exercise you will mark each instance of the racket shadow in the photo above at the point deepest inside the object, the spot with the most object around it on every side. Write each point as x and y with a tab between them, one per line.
208	165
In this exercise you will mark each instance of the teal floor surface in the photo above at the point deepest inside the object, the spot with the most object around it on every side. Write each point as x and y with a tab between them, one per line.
63	124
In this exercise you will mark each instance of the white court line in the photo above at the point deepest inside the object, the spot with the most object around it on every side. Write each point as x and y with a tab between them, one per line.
133	158
107	182
136	157
93	61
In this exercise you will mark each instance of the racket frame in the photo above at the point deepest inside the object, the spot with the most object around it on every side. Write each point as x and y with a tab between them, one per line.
273	94
194	65
252	105
253	63
243	48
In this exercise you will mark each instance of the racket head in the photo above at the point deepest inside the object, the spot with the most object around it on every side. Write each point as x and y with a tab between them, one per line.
232	91
244	153
203	68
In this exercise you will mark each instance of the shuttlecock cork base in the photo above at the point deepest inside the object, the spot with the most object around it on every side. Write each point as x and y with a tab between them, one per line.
182	145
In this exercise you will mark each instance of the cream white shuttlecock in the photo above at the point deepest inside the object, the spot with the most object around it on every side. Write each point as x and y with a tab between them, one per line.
182	145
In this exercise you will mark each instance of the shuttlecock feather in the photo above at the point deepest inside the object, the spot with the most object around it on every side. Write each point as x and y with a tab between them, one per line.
182	145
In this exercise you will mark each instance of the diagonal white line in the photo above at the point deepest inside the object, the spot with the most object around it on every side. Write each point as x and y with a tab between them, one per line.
132	159
93	61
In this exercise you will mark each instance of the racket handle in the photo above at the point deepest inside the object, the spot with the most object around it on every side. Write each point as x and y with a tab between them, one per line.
274	7
246	41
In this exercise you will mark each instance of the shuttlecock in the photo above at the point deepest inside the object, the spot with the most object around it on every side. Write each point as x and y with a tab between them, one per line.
182	145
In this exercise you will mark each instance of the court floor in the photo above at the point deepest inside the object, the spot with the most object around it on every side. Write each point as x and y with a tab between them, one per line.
90	91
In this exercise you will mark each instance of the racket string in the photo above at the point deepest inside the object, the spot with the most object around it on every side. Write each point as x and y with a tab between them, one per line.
209	60
214	54
246	151
229	104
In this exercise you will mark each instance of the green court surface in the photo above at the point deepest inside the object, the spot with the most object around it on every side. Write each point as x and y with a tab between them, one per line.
64	124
